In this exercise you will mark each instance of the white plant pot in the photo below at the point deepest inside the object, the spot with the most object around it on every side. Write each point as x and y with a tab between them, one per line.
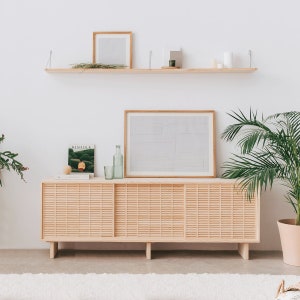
290	241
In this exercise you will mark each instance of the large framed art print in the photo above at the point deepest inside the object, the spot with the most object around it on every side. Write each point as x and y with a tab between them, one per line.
169	143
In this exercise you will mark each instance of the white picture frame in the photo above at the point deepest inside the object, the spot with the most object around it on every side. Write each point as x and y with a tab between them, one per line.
113	48
169	143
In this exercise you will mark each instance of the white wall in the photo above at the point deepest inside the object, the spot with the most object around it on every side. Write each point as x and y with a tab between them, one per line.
42	113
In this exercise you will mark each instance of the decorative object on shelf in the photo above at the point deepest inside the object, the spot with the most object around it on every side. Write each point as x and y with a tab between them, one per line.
97	66
270	152
118	163
219	66
49	61
81	159
9	162
113	48
168	67
173	54
150	59
250	58
74	176
109	172
214	63
177	56
67	170
228	58
172	62
169	143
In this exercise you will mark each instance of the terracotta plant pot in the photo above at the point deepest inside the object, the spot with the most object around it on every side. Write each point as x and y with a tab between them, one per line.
290	241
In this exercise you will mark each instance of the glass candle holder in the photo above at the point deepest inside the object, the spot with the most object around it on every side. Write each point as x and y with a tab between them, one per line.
108	172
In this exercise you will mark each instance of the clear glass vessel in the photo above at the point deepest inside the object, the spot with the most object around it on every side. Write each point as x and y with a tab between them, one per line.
118	163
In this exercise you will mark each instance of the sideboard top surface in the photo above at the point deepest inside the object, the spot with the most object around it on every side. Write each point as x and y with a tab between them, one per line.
142	180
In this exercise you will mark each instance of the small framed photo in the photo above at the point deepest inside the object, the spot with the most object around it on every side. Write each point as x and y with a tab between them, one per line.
113	48
169	143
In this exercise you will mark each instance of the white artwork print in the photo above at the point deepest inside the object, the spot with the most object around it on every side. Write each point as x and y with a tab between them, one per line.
170	144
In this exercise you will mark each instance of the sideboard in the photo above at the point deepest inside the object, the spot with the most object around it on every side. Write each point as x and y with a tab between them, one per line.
149	210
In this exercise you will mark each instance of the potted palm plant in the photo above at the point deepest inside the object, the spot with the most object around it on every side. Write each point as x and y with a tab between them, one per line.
9	162
269	152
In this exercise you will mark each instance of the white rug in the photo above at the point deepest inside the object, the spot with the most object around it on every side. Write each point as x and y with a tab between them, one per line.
141	286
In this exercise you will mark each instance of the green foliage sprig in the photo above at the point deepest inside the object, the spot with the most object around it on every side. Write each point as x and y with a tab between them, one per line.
97	66
9	162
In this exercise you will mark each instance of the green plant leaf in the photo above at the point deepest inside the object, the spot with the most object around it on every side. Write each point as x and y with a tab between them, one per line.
269	150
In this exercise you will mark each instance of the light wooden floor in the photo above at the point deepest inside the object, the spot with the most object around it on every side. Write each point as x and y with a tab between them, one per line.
163	262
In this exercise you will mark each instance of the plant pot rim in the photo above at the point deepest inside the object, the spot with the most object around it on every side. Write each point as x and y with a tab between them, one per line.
287	222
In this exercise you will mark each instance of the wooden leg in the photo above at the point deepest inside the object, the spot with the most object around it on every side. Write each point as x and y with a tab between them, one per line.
53	249
243	249
148	250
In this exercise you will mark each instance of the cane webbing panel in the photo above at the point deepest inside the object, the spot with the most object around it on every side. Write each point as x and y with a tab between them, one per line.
149	210
219	211
77	210
209	211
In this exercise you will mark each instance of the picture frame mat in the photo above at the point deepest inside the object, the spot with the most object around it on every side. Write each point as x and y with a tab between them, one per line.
113	48
169	143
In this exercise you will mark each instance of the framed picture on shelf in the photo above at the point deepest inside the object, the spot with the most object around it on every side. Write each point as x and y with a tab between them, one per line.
169	143
113	48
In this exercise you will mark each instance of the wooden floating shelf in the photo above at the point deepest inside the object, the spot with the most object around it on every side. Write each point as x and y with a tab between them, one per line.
152	71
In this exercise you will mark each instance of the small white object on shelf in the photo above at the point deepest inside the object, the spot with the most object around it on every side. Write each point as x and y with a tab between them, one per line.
228	59
74	176
150	59
250	58
214	63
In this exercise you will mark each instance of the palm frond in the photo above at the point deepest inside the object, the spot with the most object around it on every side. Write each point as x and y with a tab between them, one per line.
251	124
255	170
269	150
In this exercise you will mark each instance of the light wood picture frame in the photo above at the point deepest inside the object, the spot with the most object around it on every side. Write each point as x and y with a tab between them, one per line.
113	48
169	143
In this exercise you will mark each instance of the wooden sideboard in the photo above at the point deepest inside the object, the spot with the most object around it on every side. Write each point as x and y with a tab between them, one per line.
149	210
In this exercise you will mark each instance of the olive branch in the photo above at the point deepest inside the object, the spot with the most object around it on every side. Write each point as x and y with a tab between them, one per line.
9	162
97	66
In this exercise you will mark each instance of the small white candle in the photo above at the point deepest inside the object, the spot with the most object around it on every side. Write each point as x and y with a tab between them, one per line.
228	59
214	63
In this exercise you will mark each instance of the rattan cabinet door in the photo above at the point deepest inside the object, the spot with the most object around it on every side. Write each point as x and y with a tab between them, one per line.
220	212
149	211
77	210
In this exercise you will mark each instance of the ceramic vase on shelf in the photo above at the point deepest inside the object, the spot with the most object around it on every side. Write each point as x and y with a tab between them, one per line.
118	163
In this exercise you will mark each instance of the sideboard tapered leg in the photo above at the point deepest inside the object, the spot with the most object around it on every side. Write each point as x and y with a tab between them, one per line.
243	249
148	250
53	249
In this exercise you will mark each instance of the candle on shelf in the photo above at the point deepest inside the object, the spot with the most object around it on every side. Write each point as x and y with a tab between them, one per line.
228	59
214	63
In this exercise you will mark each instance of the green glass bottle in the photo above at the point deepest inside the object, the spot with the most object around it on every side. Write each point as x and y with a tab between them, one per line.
118	163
